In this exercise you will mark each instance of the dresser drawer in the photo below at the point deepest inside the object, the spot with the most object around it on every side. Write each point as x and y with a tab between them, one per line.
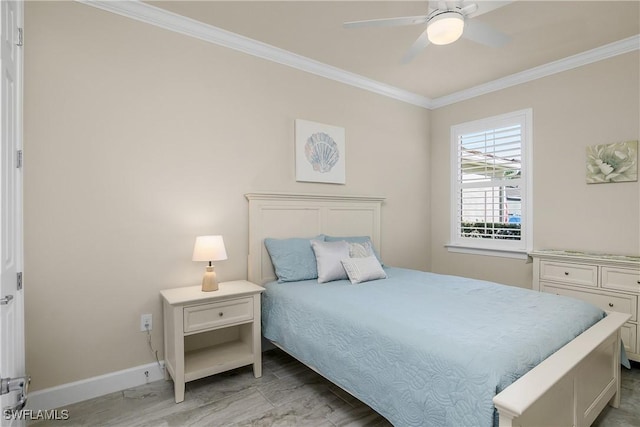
623	279
629	334
577	274
606	301
214	315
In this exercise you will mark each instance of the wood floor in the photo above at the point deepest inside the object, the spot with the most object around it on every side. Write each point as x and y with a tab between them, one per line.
288	394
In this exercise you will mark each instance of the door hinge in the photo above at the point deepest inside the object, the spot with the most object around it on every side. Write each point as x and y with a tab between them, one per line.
21	384
19	159
20	41
19	280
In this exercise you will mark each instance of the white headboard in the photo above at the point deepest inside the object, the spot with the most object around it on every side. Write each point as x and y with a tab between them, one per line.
282	215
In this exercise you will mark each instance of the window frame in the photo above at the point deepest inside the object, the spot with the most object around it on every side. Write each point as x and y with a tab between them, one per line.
495	247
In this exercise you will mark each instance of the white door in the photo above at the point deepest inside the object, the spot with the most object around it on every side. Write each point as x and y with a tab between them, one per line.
12	364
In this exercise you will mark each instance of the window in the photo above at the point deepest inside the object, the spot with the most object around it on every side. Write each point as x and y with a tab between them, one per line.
491	185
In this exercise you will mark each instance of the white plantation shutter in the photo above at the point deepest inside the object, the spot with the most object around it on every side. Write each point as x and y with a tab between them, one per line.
490	172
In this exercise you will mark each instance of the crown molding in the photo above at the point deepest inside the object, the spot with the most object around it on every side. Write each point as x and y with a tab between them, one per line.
162	18
584	58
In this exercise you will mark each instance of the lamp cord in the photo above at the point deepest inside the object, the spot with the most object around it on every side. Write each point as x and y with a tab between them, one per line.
154	351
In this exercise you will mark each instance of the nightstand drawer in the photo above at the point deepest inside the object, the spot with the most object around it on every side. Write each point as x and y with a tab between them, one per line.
608	302
623	279
217	314
577	274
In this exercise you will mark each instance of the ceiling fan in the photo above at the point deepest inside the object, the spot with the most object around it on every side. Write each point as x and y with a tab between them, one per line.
446	21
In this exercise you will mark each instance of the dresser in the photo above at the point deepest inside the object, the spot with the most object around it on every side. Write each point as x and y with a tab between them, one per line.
206	333
611	282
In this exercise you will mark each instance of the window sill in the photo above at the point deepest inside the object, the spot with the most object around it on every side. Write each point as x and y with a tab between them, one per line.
504	253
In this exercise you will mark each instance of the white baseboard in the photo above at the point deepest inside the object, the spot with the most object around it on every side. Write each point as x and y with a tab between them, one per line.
67	394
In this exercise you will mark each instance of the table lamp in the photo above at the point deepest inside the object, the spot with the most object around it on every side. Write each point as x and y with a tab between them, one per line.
209	248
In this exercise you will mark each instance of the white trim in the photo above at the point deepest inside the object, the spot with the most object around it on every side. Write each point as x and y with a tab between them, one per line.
584	58
67	394
162	18
504	253
527	149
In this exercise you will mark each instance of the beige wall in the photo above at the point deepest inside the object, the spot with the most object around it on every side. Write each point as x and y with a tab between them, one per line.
138	139
594	104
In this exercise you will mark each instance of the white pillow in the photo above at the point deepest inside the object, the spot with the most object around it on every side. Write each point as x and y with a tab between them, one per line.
360	250
363	269
328	257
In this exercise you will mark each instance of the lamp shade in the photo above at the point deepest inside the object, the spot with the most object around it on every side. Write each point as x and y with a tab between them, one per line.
209	248
445	28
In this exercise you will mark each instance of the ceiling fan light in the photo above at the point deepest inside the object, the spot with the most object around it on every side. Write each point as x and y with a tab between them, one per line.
445	28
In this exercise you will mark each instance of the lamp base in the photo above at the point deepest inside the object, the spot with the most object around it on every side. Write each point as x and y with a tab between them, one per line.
209	280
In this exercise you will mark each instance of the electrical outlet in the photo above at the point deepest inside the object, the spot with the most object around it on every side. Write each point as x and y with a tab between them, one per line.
146	322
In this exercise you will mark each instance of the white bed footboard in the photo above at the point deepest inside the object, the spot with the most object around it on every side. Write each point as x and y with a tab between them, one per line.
571	386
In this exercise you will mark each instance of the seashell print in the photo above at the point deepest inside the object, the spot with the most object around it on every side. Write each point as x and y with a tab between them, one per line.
322	152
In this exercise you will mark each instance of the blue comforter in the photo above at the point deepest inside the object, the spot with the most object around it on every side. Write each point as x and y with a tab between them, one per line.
422	349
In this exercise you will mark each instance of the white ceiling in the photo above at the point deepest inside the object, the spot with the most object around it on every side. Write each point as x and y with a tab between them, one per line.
541	32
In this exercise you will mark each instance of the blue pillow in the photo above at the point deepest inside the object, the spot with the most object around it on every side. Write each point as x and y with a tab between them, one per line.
293	259
355	239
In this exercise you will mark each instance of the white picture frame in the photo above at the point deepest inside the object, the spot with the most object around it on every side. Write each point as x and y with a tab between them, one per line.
319	152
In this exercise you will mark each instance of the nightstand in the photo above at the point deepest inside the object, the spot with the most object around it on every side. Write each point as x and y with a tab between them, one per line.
206	333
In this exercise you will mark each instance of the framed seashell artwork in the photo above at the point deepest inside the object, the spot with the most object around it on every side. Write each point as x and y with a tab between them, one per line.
616	162
320	152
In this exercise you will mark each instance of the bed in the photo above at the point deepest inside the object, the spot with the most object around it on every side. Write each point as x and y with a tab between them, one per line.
433	367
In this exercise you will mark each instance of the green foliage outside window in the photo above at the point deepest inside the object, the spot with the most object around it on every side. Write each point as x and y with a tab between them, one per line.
490	230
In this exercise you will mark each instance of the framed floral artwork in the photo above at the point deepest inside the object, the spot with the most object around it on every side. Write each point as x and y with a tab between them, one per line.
320	152
616	162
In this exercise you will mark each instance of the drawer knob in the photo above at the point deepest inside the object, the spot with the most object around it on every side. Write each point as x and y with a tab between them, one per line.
566	273
221	314
610	304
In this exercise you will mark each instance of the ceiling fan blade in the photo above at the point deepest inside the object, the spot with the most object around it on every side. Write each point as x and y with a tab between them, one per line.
433	5
417	46
387	22
469	9
486	6
482	33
